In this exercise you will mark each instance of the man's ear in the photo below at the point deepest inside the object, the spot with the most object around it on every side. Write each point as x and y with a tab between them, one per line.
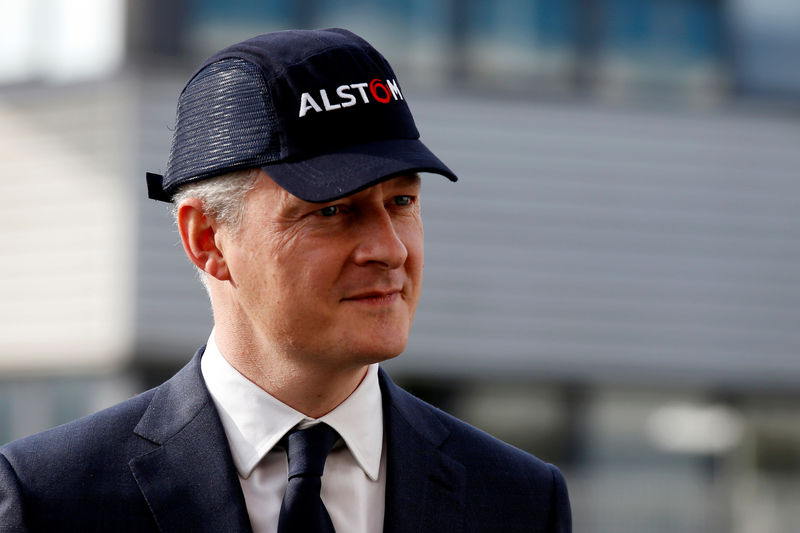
199	238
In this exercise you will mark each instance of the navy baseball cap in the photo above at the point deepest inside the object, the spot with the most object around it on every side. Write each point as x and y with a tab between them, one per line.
321	112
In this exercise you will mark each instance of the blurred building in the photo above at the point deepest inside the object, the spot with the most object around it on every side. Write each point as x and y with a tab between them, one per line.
614	284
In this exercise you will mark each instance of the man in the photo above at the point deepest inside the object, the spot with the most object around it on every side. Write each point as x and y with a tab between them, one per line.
294	174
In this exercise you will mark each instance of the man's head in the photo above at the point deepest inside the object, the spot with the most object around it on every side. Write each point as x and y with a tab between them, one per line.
294	169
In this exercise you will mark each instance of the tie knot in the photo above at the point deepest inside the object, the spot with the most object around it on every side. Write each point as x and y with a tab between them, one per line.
307	449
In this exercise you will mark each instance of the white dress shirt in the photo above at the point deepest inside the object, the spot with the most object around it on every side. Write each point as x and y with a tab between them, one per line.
354	481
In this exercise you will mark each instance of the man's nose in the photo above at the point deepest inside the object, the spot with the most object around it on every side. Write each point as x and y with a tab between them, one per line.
379	243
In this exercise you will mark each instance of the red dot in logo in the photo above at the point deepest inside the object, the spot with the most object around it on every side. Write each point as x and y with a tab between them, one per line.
376	84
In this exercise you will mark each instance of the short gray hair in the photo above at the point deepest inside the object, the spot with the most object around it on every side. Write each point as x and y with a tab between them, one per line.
222	198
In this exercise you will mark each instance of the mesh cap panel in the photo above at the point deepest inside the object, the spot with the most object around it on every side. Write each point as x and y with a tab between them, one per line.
225	122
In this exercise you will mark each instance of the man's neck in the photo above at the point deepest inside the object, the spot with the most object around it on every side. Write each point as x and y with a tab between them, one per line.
313	390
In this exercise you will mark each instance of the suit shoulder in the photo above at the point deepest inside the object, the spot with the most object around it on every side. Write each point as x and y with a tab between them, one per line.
478	445
76	477
79	437
500	476
470	443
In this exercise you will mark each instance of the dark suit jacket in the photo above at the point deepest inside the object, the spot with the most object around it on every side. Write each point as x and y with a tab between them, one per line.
160	462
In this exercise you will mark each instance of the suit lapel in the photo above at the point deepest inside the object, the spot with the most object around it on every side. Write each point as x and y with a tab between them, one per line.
424	486
189	481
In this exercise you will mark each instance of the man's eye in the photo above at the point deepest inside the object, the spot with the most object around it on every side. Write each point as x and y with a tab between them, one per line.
402	200
329	210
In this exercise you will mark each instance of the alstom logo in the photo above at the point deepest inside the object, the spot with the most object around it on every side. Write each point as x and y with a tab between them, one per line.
350	95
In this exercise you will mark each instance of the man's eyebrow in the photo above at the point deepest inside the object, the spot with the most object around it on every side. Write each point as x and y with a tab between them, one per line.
292	206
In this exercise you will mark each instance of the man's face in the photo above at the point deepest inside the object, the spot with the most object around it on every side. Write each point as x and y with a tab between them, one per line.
335	283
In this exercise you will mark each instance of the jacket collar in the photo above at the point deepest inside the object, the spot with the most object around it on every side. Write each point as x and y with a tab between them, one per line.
191	486
188	484
424	486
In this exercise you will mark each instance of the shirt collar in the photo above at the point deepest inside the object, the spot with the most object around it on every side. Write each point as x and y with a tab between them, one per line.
255	421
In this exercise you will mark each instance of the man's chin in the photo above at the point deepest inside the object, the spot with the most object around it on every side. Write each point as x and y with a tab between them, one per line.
384	336
372	352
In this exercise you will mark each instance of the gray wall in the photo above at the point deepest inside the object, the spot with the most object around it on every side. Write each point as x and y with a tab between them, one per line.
582	243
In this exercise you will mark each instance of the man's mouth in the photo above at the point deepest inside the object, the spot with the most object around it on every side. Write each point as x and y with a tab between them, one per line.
376	297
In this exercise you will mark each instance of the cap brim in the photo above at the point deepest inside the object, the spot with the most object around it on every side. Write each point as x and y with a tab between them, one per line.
346	171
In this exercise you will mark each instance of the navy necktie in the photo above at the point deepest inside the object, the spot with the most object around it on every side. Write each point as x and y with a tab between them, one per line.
302	510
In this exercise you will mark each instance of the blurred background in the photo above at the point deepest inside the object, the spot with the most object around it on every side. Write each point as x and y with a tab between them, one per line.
613	285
